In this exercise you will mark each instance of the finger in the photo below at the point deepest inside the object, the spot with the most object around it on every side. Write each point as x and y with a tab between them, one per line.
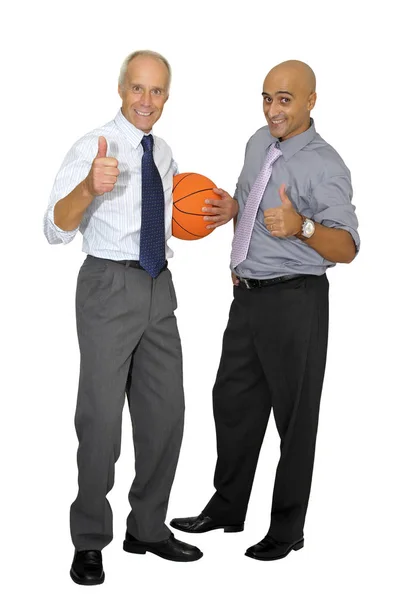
109	179
214	219
274	226
220	192
214	202
101	161
269	220
102	147
111	171
224	200
106	187
277	233
214	225
283	196
215	222
210	209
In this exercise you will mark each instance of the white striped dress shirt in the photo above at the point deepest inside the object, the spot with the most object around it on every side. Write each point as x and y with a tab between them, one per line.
111	224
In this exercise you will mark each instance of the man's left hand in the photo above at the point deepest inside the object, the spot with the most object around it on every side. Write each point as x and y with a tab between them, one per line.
223	210
283	221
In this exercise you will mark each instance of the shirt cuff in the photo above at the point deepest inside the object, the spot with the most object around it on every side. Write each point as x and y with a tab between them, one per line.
60	234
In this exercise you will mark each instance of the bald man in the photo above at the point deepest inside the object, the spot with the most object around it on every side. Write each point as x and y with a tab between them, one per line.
294	220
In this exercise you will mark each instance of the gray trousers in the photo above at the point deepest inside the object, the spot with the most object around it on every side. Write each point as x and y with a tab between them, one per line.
129	344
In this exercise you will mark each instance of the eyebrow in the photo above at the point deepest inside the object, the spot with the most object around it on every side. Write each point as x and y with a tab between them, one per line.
152	87
278	92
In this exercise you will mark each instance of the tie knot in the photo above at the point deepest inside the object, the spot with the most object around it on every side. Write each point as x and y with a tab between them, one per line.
147	143
274	152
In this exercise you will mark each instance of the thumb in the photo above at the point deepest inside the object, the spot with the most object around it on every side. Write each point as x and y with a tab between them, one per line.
283	196
102	147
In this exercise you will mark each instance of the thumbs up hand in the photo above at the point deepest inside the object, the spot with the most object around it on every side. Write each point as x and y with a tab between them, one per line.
103	173
283	221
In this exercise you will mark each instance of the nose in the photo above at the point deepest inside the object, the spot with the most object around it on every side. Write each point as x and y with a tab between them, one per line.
146	98
273	110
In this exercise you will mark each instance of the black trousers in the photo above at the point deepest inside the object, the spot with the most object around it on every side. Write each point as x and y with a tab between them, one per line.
273	356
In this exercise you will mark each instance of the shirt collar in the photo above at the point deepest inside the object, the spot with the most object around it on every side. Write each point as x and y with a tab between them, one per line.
296	143
129	130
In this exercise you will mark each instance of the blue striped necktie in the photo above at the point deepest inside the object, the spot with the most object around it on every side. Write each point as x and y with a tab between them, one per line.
152	238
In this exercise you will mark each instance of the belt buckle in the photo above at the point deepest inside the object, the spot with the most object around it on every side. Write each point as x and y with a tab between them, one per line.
246	282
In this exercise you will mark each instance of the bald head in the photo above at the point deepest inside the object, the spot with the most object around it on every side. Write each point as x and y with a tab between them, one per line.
297	72
289	96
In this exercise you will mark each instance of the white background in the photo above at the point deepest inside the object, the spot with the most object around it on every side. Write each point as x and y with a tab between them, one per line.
60	63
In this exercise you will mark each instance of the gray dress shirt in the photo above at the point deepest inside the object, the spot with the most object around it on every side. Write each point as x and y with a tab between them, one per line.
318	184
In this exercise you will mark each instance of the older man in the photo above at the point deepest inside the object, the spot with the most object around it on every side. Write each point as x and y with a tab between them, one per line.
295	221
115	187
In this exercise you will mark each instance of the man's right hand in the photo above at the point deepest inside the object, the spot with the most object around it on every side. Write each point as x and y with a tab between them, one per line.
235	279
103	173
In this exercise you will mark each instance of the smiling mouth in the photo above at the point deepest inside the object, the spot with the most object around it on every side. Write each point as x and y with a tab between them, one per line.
142	114
277	121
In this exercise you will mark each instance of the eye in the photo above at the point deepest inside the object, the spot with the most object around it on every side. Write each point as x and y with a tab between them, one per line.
136	89
267	99
156	92
285	100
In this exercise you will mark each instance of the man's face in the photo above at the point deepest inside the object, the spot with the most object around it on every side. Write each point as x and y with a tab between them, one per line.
287	104
144	91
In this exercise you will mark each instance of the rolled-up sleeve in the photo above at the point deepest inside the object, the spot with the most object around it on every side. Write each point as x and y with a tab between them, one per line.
74	169
332	202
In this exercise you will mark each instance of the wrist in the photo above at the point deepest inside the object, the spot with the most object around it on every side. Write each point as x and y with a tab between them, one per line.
307	229
87	194
300	223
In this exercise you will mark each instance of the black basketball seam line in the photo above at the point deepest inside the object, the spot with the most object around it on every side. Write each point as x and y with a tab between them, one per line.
189	213
182	179
190	232
192	194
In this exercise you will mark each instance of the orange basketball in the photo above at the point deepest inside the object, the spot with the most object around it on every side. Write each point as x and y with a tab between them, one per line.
190	191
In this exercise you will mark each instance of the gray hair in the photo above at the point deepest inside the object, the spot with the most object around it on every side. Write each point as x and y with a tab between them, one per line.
129	58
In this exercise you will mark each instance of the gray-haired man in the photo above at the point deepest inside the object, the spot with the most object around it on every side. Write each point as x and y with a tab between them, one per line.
107	187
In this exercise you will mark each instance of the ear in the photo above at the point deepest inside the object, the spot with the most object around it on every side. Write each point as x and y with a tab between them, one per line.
311	101
119	91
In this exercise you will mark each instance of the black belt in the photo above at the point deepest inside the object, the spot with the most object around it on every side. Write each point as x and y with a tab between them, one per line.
259	283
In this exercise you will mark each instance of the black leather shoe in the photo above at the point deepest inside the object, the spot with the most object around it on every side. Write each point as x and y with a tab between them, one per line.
201	524
87	567
170	549
270	549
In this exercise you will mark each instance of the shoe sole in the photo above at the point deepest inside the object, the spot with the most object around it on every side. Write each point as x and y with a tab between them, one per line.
77	580
138	549
227	529
296	547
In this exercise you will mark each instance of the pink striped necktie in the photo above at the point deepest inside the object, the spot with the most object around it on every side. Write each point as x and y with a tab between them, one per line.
243	233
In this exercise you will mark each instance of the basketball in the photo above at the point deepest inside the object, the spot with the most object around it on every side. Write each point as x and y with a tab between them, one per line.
190	191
